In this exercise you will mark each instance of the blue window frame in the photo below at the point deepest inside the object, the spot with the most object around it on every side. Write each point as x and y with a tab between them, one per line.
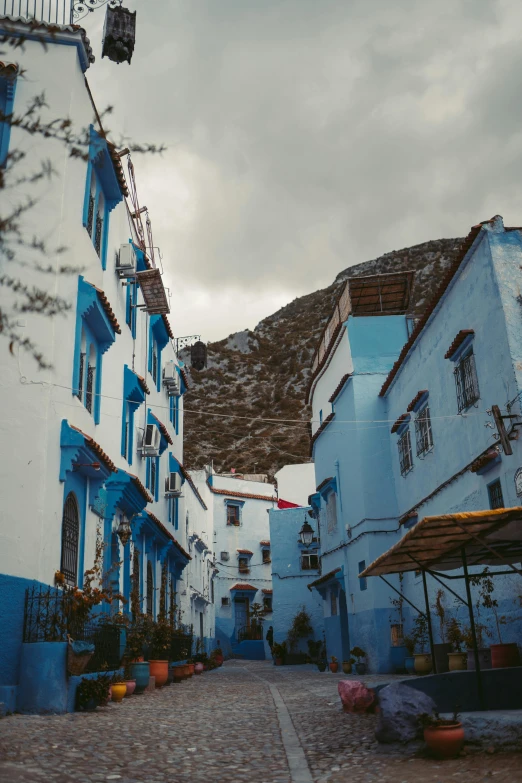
8	76
174	512
362	580
131	310
102	194
95	333
152	476
158	339
496	498
133	396
174	413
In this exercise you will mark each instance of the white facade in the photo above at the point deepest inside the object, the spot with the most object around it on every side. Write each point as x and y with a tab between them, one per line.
295	483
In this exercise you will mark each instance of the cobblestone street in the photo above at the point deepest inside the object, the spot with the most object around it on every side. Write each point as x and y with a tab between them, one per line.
247	721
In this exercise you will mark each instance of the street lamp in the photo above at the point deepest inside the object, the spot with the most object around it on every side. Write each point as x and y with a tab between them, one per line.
306	534
124	530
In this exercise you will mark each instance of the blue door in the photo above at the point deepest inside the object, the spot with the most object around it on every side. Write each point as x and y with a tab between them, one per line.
241	609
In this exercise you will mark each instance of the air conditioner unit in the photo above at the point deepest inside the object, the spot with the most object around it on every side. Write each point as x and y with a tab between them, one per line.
173	484
171	379
127	262
225	556
151	441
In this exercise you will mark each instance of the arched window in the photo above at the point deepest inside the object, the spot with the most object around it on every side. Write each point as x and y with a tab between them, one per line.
70	538
150	589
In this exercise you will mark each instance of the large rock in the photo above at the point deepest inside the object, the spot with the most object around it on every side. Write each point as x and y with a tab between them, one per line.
355	696
399	710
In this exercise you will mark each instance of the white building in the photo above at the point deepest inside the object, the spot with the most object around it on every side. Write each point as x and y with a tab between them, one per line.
295	483
95	442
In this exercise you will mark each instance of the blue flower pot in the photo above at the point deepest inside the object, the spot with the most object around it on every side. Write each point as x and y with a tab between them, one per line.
141	673
397	658
409	663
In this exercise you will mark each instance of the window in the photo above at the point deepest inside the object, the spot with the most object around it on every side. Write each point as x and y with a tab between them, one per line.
331	512
150	590
423	433
244	565
153	476
466	382
225	601
158	339
133	397
102	194
233	517
174	412
266	556
320	417
333	603
174	512
496	499
267	603
131	309
405	455
7	93
70	538
309	561
224	556
363	585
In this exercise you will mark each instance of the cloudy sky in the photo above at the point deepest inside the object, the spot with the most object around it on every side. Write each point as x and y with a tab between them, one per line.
305	136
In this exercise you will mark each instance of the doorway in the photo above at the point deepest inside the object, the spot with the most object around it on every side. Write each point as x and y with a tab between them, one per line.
241	613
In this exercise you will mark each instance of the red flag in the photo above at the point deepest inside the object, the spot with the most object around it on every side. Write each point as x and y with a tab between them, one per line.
287	504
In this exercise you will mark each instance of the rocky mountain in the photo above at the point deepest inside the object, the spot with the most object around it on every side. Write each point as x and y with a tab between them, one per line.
253	377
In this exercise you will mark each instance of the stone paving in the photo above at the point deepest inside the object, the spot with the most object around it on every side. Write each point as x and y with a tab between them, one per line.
224	726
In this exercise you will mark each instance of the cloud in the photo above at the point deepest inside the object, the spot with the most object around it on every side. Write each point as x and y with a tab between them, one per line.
305	137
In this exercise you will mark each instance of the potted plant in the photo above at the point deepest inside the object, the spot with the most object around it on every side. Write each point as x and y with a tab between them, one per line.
300	629
334	664
444	737
322	664
118	688
314	649
358	653
279	652
398	650
130	682
457	658
219	656
503	654
138	635
423	662
160	641
484	653
347	665
409	661
92	692
443	648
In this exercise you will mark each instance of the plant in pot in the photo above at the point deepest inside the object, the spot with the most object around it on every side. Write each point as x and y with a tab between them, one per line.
314	649
444	737
219	656
484	653
138	637
503	654
457	658
160	643
347	665
334	664
300	629
443	648
129	680
423	662
92	692
398	650
409	661
118	688
360	667
279	652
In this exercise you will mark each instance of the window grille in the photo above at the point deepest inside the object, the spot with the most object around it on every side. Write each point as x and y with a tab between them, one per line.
466	382
496	499
98	234
155	363
405	455
70	537
90	215
266	556
153	469
309	562
80	376
232	515
267	603
90	387
363	585
333	603
225	601
423	434
150	589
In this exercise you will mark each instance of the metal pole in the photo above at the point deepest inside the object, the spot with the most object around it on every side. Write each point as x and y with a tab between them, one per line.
428	617
401	594
478	673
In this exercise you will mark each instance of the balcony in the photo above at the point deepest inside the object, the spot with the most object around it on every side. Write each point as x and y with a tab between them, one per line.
56	12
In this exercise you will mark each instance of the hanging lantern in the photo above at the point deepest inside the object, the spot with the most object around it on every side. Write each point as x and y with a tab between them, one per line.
124	530
306	534
119	34
198	355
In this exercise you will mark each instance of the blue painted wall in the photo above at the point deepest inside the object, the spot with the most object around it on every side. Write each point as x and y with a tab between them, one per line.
289	582
12	591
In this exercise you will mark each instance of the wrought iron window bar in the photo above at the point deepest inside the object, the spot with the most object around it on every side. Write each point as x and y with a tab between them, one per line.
466	382
423	433
405	455
90	387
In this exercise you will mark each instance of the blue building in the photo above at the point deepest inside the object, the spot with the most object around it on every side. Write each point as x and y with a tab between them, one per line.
402	430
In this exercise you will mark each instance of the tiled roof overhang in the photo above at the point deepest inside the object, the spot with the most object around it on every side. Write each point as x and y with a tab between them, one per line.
321	429
339	387
457	342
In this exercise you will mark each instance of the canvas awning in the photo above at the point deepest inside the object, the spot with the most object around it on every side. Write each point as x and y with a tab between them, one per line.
436	543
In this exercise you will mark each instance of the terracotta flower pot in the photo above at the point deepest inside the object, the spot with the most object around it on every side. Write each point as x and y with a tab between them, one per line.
118	691
186	671
131	687
503	655
347	667
333	666
159	670
422	663
191	668
219	660
177	673
458	661
198	668
278	661
445	742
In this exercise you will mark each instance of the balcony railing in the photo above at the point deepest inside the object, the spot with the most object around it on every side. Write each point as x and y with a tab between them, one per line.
50	11
253	633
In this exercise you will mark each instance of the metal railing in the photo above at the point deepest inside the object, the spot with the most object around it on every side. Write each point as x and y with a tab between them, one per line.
49	11
253	633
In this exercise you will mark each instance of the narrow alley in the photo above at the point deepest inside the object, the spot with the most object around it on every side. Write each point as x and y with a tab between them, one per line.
247	721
